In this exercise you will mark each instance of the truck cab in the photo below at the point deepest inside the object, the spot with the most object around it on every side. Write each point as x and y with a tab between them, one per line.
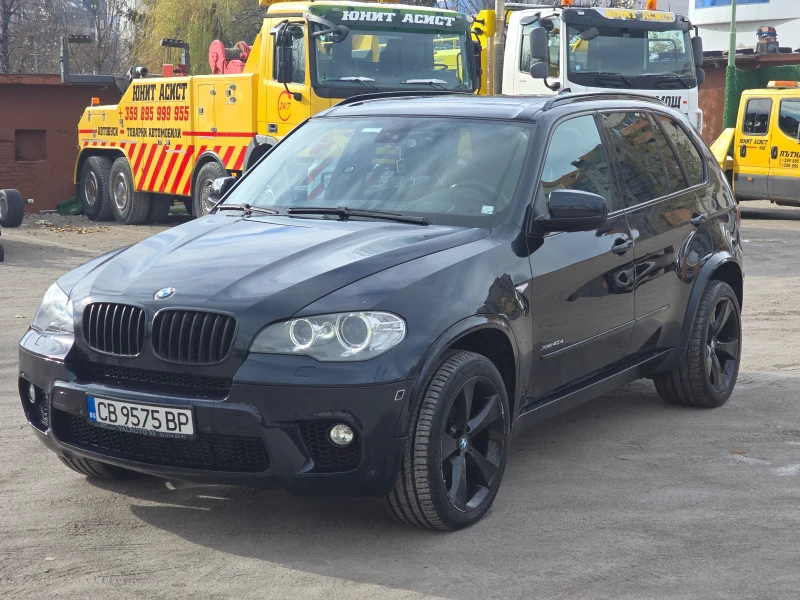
761	155
581	49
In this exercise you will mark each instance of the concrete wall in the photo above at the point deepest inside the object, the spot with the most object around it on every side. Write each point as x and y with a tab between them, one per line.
714	23
38	135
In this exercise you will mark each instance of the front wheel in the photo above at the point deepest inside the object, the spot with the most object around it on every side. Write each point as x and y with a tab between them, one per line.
93	188
457	446
128	205
12	208
202	188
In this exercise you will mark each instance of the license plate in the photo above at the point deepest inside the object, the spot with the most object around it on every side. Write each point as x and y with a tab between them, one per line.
141	418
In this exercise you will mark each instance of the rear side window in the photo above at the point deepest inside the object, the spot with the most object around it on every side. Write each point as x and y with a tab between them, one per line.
688	154
674	173
756	116
642	173
576	160
790	117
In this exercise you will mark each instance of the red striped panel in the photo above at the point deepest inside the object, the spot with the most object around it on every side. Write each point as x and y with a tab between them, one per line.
138	161
157	168
217	149
182	169
146	168
187	189
240	160
220	134
85	130
171	164
227	156
85	144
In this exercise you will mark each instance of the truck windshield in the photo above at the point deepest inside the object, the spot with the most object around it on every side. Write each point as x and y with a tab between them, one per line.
448	171
394	59
631	57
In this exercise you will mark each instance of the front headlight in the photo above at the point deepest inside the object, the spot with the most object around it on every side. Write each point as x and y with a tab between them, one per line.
339	337
55	312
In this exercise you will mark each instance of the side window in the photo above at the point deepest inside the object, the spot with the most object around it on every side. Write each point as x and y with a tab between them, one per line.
298	55
576	160
756	116
554	46
674	174
790	117
641	169
688	154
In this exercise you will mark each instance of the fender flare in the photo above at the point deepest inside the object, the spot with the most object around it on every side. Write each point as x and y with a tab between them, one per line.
433	358
675	357
257	142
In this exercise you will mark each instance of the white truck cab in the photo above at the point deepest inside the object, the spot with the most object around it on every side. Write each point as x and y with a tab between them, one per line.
548	49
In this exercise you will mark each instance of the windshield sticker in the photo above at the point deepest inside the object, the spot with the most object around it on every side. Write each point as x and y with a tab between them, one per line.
643	15
487	210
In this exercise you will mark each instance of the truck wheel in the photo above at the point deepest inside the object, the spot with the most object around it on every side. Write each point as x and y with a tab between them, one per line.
2	254
96	469
707	375
208	173
128	205
12	208
457	447
93	188
159	208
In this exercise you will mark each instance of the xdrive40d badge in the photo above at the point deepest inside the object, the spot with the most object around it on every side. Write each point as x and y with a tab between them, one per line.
400	286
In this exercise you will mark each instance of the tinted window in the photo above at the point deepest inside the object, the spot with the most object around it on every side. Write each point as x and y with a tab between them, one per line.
642	173
674	173
756	116
576	160
790	117
688	155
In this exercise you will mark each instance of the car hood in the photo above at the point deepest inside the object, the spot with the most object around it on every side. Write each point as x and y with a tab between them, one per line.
277	263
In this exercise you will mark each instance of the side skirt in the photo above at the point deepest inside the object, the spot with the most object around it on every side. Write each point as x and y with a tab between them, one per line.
572	397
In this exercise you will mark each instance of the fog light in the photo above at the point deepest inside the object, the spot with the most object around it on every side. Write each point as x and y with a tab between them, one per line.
341	434
31	393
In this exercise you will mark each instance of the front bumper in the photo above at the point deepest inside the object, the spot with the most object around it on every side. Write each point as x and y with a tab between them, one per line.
256	435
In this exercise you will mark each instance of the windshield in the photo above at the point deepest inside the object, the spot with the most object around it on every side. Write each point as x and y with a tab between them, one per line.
449	171
394	59
645	58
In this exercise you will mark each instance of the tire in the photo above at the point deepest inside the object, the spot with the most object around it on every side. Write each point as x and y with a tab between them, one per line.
701	380
93	188
2	254
205	177
427	482
12	208
127	205
188	204
159	208
96	469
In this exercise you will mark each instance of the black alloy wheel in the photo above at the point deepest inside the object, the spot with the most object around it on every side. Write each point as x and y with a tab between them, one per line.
723	345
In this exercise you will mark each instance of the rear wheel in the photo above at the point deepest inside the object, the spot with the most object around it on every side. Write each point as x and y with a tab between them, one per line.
456	451
128	205
12	208
97	469
202	187
708	373
93	190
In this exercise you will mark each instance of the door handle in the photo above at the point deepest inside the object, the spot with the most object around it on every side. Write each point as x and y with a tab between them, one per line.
742	150
774	153
621	245
698	220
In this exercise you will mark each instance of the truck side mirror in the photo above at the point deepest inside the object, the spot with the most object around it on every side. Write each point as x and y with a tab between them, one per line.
284	49
697	50
477	57
540	70
220	187
701	76
538	44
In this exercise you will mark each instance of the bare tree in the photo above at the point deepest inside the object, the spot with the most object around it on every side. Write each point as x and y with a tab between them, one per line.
10	10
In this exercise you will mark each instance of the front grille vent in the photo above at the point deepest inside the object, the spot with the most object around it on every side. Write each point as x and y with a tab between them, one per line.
170	382
192	337
114	328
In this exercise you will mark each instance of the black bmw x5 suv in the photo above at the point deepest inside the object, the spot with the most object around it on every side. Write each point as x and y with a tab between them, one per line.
393	291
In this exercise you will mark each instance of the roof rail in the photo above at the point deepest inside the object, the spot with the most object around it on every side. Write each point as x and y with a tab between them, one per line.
398	94
569	98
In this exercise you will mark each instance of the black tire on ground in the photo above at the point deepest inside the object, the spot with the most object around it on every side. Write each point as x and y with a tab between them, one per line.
459	434
97	469
159	208
206	176
2	254
188	204
707	374
93	188
128	205
12	208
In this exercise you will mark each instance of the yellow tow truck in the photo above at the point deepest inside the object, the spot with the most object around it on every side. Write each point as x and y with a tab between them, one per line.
172	135
761	155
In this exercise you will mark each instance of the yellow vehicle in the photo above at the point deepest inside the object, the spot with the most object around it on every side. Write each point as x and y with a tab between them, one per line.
171	137
761	155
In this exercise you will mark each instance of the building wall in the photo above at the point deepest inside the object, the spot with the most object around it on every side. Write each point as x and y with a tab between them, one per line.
713	18
38	135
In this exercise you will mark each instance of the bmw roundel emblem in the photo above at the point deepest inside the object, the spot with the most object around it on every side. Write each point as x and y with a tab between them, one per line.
164	293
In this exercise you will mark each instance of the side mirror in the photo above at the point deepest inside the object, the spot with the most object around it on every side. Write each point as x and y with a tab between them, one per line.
477	57
574	210
220	187
701	76
589	34
284	49
340	33
538	44
540	70
697	50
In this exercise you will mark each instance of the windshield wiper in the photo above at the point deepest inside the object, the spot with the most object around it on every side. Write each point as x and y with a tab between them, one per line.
344	213
365	81
248	209
606	74
672	77
437	83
